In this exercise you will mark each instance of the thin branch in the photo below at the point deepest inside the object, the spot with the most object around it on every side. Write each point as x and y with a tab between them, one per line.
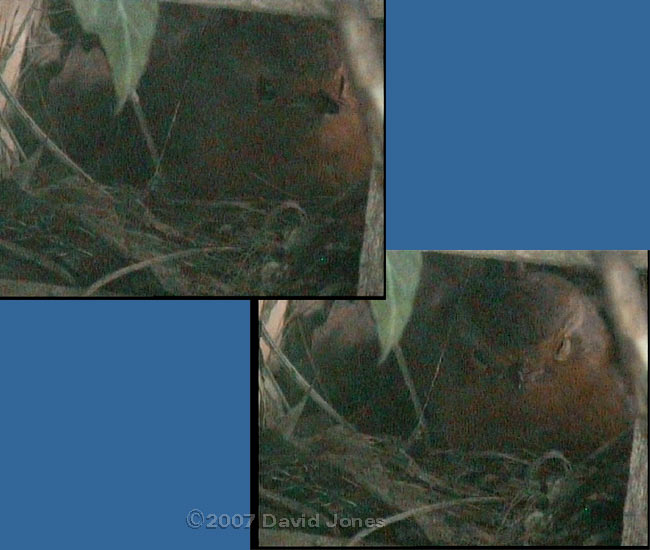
580	258
363	57
320	8
630	317
41	135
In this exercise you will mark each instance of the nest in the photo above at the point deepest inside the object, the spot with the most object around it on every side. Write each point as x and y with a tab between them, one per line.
102	215
323	482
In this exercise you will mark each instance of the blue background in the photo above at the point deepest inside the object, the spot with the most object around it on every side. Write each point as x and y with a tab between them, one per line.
118	418
510	124
517	124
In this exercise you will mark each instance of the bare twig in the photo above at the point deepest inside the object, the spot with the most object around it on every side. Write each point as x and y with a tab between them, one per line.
354	541
631	321
41	135
319	8
92	289
17	21
304	385
18	289
639	258
144	127
38	259
363	56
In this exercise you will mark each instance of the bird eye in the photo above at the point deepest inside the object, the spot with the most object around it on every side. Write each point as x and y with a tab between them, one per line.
481	358
324	104
563	350
88	42
265	89
341	86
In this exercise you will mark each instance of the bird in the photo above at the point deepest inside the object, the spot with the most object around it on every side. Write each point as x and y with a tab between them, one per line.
275	115
531	364
502	359
240	104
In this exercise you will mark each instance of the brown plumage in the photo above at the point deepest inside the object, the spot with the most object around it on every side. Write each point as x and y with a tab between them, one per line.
507	361
265	108
530	365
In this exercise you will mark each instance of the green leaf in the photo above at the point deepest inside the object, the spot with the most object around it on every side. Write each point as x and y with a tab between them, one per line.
126	29
402	279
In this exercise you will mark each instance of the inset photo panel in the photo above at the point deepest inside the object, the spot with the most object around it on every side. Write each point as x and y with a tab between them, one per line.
423	419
